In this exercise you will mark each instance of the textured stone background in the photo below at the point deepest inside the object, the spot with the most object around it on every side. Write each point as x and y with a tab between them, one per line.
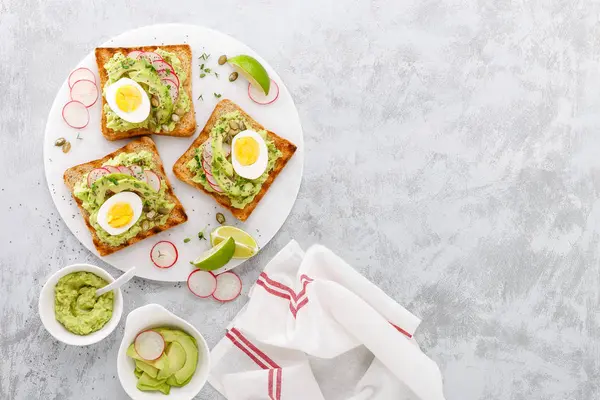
452	157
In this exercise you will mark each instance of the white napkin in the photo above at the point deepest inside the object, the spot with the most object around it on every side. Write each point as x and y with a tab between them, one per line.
310	325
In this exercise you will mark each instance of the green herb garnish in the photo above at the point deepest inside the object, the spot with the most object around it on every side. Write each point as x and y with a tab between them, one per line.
186	240
217	95
201	234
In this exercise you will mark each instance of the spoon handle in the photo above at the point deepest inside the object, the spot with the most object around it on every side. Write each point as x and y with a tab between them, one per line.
120	281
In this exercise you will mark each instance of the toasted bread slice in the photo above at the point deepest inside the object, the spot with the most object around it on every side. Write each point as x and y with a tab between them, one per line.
75	174
223	107
185	127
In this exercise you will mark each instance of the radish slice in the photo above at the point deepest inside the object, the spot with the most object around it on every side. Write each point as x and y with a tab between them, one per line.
202	283
164	254
207	168
149	345
173	88
138	172
124	170
81	74
76	114
134	54
207	151
153	180
169	74
150	56
85	92
258	96
111	169
229	286
95	174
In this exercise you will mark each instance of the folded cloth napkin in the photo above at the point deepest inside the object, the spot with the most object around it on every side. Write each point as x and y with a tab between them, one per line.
310	327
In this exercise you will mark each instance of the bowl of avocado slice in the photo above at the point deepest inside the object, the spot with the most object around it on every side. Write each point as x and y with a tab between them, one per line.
161	355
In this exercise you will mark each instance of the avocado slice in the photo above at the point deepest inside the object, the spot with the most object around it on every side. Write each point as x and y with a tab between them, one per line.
164	388
173	382
176	360
137	373
158	363
147	381
147	368
191	353
117	183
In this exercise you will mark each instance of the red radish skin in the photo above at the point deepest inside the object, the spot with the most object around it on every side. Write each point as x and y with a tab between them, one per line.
149	335
124	170
169	74
200	274
257	95
134	54
76	114
79	74
95	174
229	293
85	92
111	169
153	180
165	244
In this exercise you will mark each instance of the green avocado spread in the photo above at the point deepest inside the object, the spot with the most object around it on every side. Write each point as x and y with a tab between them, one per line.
76	306
164	115
156	205
239	190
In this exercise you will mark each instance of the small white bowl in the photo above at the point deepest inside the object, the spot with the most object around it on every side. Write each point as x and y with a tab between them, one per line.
56	329
153	316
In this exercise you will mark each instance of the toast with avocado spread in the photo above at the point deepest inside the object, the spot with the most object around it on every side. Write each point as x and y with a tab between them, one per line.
135	168
234	192
171	108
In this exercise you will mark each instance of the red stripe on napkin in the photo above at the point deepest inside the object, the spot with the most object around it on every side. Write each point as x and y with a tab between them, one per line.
246	351
255	349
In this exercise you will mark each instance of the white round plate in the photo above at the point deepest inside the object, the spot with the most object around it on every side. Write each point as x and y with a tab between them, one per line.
280	117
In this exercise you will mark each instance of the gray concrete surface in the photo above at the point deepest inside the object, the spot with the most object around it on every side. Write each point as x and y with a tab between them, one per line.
452	156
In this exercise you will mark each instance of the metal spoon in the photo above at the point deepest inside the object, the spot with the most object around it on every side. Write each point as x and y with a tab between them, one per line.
120	281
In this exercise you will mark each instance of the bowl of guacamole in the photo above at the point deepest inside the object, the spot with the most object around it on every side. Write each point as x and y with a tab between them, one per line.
72	313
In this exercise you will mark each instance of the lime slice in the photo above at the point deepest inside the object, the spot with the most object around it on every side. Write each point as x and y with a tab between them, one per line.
217	256
252	70
245	245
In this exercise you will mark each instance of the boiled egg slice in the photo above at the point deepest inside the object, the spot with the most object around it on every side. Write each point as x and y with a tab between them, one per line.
249	154
120	212
128	100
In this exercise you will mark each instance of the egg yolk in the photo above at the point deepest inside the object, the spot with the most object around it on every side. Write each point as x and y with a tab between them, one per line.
119	214
128	98
246	150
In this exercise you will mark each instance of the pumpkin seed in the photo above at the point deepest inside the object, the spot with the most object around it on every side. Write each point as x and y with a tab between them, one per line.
151	215
234	125
220	218
145	225
175	118
154	101
233	76
60	141
222	59
242	126
66	147
163	210
180	111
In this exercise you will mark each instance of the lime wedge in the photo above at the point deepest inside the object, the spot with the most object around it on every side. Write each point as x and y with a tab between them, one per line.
252	70
245	245
217	256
